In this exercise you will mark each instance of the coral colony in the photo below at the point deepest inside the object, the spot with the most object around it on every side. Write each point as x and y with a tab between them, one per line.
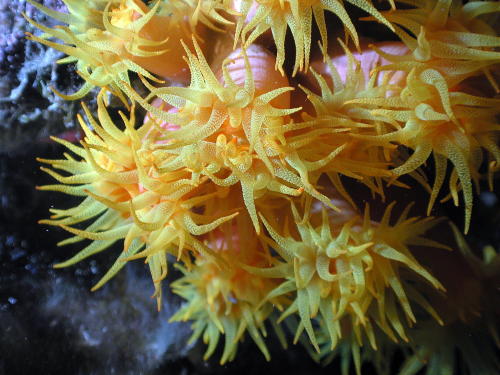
239	183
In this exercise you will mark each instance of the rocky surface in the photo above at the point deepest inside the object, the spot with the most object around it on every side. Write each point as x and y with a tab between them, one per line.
27	71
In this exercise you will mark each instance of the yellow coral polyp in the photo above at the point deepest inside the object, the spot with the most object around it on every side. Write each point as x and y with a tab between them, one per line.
102	51
337	121
230	135
228	301
448	37
128	199
449	125
123	36
278	15
340	271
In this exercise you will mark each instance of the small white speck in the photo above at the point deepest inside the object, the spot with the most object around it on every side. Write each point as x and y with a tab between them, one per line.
12	300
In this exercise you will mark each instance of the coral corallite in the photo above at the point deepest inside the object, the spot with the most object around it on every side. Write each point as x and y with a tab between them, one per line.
248	173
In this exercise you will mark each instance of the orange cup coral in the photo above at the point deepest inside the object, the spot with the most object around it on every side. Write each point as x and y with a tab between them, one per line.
128	199
339	271
245	191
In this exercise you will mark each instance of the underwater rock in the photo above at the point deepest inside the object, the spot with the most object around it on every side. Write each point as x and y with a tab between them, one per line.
28	107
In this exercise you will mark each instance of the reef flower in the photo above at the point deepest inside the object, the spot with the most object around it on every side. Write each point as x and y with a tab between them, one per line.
128	199
351	273
228	300
257	17
447	37
230	133
107	39
335	121
455	126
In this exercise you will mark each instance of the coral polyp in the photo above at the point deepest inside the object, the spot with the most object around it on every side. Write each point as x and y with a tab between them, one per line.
340	271
229	134
228	300
250	174
109	39
343	124
127	198
452	126
447	37
257	17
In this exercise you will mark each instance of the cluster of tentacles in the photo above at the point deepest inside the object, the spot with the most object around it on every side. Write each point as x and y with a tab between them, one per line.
250	176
